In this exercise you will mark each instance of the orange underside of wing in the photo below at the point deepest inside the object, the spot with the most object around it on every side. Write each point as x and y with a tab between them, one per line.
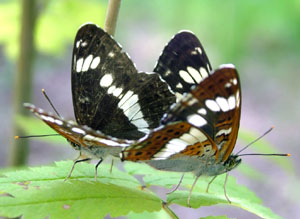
144	150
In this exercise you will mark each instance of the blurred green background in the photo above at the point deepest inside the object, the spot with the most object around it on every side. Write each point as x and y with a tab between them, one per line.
261	37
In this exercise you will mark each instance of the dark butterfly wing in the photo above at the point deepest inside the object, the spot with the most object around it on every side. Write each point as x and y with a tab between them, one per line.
183	63
108	92
205	122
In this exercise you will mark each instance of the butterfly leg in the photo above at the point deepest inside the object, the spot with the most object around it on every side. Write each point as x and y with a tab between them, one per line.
111	166
226	178
96	168
210	183
76	162
177	186
190	194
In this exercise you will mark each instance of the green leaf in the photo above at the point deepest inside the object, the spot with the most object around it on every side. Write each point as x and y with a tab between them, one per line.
40	192
149	215
216	217
239	195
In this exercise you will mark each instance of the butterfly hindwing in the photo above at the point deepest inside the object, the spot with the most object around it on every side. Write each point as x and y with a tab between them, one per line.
183	62
108	92
170	142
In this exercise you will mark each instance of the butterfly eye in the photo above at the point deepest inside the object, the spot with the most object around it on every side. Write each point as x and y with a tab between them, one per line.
232	162
74	145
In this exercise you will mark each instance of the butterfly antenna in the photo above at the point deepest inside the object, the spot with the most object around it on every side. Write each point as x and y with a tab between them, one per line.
257	154
49	101
34	136
38	136
267	132
283	155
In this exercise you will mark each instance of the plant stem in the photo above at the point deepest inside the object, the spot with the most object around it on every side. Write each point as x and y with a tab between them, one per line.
23	80
112	16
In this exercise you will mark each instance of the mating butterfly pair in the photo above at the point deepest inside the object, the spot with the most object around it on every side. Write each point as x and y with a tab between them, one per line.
121	112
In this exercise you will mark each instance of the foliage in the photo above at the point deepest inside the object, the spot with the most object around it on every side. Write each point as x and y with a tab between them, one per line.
55	28
41	191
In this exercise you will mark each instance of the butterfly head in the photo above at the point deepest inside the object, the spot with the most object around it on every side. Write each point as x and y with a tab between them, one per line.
232	162
74	145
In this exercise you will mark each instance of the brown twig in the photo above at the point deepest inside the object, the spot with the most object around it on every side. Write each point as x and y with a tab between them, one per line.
112	16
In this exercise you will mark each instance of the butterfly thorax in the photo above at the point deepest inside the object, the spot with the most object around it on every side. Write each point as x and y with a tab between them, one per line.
96	151
100	152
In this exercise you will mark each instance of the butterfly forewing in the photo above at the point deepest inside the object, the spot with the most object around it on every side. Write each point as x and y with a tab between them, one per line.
183	62
221	98
108	92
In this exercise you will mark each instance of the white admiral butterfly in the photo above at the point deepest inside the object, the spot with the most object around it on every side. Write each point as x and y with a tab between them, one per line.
199	133
109	94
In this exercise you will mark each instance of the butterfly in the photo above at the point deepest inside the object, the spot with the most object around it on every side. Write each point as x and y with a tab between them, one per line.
197	134
109	94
